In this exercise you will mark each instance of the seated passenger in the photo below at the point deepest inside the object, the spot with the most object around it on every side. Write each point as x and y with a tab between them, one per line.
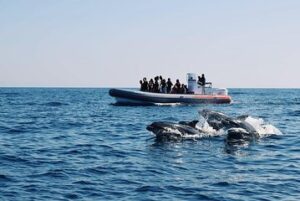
156	85
186	89
177	84
180	90
150	85
169	85
174	90
159	82
141	83
145	85
183	89
163	86
177	87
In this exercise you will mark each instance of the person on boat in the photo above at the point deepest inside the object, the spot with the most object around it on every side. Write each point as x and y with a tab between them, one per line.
202	82
176	89
180	90
186	89
177	84
150	88
160	78
169	85
156	85
183	89
163	86
144	84
141	83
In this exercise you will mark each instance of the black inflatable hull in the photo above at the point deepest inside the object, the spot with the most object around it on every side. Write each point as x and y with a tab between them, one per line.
134	97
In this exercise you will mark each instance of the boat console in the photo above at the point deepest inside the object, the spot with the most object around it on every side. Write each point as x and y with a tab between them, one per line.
207	89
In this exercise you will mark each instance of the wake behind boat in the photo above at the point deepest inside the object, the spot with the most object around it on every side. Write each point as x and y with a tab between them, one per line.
195	94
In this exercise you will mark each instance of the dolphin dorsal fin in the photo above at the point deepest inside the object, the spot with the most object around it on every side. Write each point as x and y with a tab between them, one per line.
193	123
242	117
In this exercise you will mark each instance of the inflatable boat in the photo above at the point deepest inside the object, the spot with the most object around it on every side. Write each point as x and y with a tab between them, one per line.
197	94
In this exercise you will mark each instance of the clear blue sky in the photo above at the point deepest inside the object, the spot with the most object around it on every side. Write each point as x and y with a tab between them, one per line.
115	43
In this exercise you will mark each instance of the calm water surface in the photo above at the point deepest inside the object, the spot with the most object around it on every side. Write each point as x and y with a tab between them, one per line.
68	144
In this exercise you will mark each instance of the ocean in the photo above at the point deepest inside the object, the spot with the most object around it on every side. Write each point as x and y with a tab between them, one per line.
75	144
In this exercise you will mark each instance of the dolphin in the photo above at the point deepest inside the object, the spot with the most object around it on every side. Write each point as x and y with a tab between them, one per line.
218	120
239	136
238	130
172	131
189	123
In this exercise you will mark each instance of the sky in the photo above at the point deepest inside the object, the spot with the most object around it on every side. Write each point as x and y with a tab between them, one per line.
115	43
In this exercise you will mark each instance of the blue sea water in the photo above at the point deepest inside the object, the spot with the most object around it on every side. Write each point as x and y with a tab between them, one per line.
74	144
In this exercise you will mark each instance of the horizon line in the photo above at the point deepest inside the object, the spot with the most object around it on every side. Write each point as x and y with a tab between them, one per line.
108	87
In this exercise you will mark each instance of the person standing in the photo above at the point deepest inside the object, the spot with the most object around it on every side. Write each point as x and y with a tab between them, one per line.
203	82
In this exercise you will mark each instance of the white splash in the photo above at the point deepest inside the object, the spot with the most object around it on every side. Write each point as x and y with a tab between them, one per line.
185	136
207	129
262	128
171	130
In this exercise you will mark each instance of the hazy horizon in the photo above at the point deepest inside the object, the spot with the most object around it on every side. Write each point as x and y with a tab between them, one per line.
237	44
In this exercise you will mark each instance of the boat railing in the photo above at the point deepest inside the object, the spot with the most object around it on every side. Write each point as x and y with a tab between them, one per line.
208	85
206	89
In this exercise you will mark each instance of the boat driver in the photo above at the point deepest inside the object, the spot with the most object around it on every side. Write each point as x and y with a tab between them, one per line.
202	82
